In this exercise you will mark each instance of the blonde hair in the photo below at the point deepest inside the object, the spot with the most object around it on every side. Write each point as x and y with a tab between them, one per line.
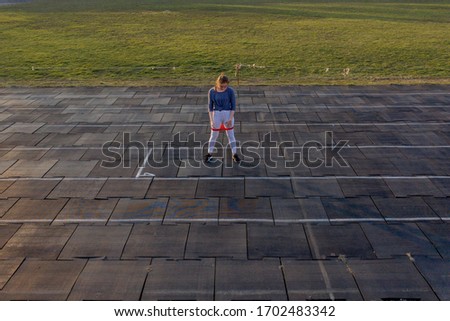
222	79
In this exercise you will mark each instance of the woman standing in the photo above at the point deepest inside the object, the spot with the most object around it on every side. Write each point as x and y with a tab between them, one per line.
222	106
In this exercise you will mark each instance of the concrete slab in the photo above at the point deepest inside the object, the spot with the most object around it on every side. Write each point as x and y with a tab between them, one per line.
443	184
7	269
95	139
441	206
37	211
413	187
19	127
285	241
220	188
139	211
110	280
164	282
200	169
348	209
6	204
319	280
24	154
6	232
43	280
4	165
353	187
185	188
389	240
4	185
61	153
78	188
71	168
287	211
404	209
395	279
132	188
86	211
245	210
435	271
33	241
59	140
338	240
249	280
167	241
217	241
327	187
375	167
439	235
96	242
268	187
192	210
26	168
117	169
33	188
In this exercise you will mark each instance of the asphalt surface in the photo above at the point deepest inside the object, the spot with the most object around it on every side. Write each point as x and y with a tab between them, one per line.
342	194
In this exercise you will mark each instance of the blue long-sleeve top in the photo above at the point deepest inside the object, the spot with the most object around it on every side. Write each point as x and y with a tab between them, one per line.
221	100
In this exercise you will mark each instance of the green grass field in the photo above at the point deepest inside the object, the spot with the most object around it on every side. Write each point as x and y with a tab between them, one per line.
151	42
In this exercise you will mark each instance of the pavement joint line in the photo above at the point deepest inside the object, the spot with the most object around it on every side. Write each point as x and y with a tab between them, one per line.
2	221
358	220
220	178
74	220
157	124
162	148
373	106
399	123
133	220
274	106
399	146
413	219
319	94
225	220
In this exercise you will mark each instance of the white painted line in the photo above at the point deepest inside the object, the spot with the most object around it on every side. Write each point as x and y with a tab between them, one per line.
253	124
412	219
302	220
384	94
315	249
222	177
399	146
83	220
228	220
356	220
365	107
137	220
141	169
162	148
187	220
7	221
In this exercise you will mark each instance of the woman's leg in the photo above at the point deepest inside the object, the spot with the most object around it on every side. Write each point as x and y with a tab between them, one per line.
214	134
232	140
230	134
212	141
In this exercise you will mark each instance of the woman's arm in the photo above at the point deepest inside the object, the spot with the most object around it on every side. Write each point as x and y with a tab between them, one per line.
229	122
211	118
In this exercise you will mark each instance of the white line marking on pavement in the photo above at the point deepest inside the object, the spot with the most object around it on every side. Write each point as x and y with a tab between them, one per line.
221	178
141	169
231	220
